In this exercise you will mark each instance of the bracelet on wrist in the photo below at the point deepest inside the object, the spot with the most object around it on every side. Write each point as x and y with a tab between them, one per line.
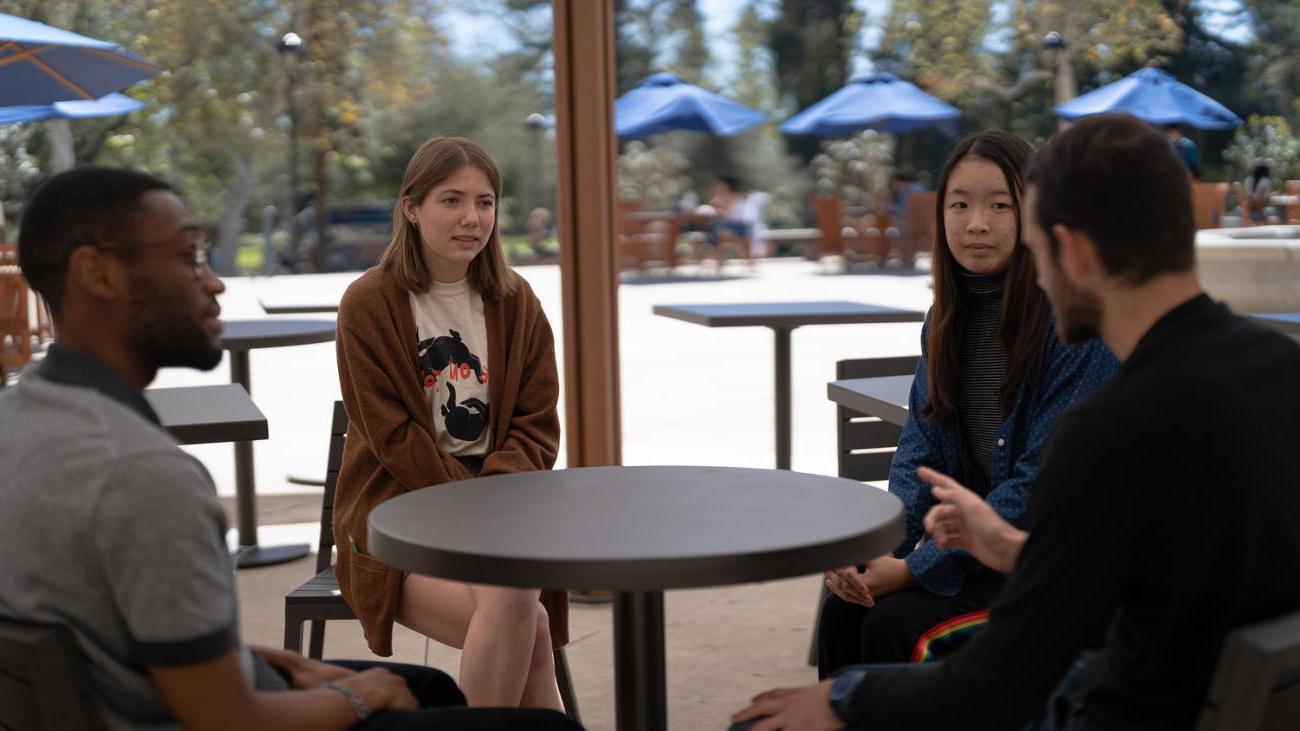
354	700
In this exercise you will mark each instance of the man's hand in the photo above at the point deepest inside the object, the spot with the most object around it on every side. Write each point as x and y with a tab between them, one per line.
381	689
302	672
963	520
792	709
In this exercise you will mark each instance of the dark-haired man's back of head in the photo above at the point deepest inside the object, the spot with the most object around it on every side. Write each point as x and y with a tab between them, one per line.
1116	179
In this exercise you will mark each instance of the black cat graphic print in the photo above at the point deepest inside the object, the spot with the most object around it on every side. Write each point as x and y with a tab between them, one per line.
444	361
438	353
451	354
464	421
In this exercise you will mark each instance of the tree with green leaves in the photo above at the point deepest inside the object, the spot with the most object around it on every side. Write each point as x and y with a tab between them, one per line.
691	57
811	42
938	45
1276	24
1103	38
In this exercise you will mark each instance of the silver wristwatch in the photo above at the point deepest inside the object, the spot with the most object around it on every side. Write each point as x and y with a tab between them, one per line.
358	705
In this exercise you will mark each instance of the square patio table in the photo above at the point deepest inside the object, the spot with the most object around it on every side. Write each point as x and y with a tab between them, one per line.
884	397
208	414
783	318
239	337
298	307
1287	322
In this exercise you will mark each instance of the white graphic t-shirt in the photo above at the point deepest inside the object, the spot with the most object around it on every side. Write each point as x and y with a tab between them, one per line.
453	350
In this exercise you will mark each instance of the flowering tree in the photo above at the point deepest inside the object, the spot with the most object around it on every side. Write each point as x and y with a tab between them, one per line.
1268	140
855	169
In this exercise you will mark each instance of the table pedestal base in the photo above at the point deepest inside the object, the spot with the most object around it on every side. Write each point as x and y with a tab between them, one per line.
640	684
246	492
254	556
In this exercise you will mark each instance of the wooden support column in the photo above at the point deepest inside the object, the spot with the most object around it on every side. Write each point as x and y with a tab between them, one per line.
586	193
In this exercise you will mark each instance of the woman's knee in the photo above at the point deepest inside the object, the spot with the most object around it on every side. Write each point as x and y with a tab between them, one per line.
542	649
515	605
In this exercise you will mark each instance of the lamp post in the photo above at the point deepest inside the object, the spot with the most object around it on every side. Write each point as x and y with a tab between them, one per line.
537	123
290	46
1064	86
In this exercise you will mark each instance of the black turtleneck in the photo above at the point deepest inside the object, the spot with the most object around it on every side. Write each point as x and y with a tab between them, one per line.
982	362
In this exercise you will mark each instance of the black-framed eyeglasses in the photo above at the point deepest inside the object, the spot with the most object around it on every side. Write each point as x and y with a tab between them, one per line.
201	260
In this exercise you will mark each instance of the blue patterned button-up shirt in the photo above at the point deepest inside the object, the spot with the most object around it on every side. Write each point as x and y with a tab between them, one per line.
1068	374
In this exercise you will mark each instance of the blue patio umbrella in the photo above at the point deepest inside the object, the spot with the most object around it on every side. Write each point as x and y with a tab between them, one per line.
106	106
664	102
40	64
1153	96
877	100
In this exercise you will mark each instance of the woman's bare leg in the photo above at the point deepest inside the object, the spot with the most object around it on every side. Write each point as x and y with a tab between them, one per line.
499	632
541	689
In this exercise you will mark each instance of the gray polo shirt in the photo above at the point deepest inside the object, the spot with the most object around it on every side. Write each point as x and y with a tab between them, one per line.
110	529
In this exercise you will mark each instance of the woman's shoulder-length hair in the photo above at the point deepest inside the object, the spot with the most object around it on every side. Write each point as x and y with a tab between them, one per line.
435	161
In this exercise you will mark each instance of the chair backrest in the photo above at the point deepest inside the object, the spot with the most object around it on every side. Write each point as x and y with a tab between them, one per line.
43	681
828	212
15	328
338	433
625	223
1205	210
866	444
918	222
1256	685
1292	187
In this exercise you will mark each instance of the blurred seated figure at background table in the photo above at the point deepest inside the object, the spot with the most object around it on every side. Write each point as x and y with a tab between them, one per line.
992	378
1258	188
903	186
1165	513
447	368
1185	149
734	224
540	233
111	530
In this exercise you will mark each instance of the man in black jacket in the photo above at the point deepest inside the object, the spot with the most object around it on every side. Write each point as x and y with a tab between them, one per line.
1167	509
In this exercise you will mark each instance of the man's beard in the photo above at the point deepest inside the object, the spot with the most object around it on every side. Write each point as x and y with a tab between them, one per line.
165	336
1078	313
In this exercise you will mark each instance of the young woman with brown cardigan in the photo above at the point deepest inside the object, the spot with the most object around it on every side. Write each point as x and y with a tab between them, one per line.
445	264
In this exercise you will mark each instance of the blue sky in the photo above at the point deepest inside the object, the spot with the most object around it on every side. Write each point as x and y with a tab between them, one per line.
484	32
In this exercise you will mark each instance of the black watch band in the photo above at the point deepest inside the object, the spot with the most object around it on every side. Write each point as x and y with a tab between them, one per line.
843	691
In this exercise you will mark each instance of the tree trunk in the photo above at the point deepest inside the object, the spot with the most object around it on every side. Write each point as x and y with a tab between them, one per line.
232	217
320	167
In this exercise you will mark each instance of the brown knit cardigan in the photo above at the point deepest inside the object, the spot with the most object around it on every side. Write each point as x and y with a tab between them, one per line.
391	447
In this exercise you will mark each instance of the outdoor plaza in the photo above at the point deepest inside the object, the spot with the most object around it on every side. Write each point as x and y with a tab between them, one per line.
691	396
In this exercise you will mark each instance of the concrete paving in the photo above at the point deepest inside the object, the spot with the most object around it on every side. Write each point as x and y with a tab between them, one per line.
691	395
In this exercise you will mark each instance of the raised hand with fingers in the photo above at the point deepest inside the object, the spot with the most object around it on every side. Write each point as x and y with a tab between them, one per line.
963	520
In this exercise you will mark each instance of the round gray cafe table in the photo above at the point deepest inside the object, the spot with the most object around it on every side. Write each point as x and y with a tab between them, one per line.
636	531
239	337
